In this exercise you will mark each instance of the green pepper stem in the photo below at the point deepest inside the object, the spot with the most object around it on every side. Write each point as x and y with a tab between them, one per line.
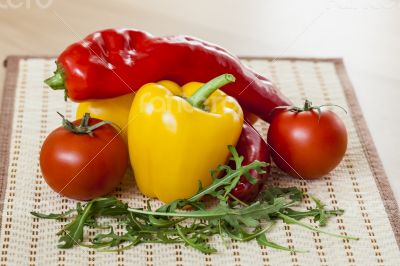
56	82
201	95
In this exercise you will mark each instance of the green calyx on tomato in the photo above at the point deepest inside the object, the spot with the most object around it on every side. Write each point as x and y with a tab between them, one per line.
84	127
307	107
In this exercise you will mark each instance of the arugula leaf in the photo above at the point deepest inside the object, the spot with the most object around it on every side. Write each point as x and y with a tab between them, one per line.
315	213
74	230
195	242
322	216
272	193
263	241
56	216
290	220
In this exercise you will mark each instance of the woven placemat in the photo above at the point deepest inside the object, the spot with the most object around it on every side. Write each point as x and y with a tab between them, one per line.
358	185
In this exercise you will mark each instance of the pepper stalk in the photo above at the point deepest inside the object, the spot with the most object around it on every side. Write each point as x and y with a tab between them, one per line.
201	95
57	81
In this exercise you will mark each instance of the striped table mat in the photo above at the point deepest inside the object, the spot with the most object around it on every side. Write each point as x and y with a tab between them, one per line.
358	185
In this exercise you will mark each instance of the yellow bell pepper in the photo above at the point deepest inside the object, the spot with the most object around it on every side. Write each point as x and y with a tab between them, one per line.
115	110
178	134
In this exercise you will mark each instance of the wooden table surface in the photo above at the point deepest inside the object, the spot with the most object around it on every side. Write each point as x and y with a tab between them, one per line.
365	33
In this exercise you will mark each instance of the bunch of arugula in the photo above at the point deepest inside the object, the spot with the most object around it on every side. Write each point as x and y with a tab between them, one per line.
229	218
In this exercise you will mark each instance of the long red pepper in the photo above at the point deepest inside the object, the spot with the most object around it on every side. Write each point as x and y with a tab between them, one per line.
112	62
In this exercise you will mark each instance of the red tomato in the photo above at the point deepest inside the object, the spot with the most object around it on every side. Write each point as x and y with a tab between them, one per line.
80	166
305	144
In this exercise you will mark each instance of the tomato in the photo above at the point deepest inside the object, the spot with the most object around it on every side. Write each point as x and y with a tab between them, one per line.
81	164
307	143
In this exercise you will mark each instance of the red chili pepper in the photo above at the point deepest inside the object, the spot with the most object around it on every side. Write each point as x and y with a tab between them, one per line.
252	147
113	62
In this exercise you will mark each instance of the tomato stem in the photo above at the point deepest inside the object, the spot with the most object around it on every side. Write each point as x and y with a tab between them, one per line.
83	127
85	120
307	105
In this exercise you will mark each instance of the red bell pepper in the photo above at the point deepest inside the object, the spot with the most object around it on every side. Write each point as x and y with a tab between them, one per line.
114	62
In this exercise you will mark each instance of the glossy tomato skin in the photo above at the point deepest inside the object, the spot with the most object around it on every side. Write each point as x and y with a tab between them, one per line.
304	146
80	166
